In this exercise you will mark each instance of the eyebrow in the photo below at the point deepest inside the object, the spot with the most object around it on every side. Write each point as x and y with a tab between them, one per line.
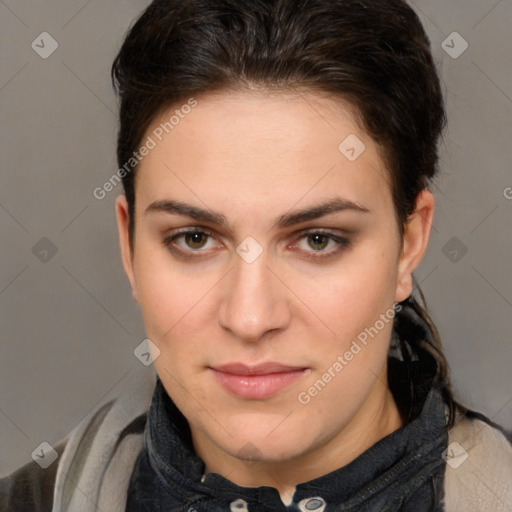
289	219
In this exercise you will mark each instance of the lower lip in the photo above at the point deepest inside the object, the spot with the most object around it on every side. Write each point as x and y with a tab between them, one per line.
257	387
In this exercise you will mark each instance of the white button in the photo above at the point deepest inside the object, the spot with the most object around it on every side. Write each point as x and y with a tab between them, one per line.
239	506
317	504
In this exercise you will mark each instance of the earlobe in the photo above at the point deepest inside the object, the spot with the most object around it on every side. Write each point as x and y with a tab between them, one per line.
415	242
122	214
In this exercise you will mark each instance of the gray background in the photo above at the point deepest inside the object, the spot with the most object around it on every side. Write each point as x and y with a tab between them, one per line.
69	326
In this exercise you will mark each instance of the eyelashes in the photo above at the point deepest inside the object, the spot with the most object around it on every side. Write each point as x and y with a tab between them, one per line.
194	235
322	240
196	243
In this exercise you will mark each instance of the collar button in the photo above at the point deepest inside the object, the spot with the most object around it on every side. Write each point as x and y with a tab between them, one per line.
239	506
317	504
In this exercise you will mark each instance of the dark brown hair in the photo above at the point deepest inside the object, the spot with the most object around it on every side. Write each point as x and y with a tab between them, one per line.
372	53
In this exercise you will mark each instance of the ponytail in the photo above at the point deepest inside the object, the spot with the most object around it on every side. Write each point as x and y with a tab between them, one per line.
417	360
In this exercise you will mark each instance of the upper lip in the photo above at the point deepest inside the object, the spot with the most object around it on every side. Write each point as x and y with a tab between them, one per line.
257	369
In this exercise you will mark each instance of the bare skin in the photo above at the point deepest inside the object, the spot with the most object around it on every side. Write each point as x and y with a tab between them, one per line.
253	157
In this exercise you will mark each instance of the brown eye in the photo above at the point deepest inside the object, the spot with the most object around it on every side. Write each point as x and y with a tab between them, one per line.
190	241
318	242
316	245
195	240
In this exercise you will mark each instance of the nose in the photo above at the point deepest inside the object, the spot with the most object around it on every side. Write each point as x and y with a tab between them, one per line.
254	301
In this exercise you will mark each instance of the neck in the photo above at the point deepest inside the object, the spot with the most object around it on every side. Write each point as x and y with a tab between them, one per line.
377	418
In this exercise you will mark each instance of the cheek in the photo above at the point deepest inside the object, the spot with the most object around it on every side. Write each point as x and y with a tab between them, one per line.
353	295
353	309
176	306
164	294
156	289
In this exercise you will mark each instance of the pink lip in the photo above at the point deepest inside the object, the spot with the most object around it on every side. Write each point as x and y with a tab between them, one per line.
256	382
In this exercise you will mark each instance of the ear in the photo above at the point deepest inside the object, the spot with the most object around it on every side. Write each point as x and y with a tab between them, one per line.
122	214
415	242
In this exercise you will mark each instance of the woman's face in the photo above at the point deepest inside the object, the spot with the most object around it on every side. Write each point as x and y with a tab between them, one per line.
267	261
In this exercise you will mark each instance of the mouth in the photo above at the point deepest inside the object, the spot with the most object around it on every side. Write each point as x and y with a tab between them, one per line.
257	382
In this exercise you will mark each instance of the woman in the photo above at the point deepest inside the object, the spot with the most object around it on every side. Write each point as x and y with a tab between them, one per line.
276	158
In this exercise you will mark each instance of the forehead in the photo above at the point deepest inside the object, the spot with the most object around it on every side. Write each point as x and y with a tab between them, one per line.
262	149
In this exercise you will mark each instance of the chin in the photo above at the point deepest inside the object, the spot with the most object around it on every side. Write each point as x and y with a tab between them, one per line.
262	441
253	450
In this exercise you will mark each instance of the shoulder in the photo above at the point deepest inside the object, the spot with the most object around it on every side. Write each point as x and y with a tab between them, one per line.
30	488
478	466
102	446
